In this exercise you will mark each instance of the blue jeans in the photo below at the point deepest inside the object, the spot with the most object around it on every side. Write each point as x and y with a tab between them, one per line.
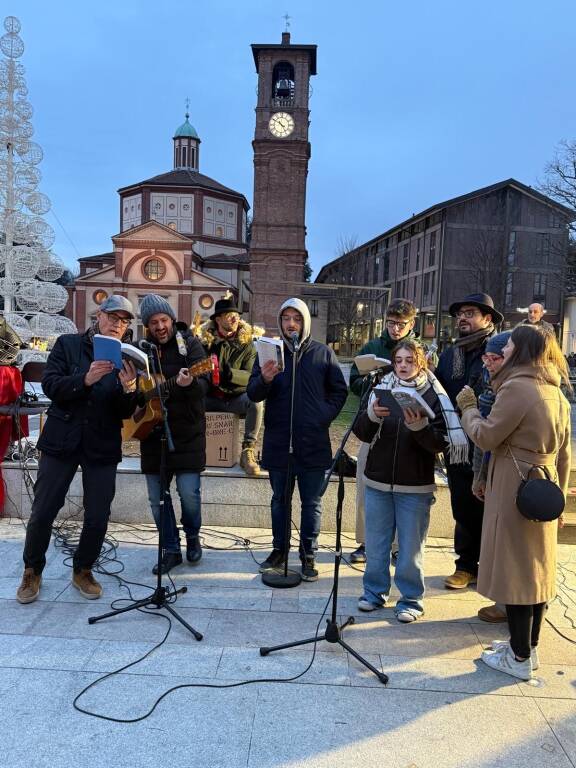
310	484
409	515
188	486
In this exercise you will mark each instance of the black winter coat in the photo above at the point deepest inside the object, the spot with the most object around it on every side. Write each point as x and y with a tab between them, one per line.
319	396
186	412
401	456
82	419
472	371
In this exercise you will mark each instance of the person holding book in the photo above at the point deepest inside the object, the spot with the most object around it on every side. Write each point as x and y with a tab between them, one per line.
90	398
319	396
399	324
231	339
460	365
527	427
178	349
399	475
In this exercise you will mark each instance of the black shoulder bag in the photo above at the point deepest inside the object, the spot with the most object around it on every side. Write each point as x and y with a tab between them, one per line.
539	499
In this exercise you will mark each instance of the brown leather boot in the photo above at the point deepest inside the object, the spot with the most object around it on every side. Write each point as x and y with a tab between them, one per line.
86	584
459	580
492	614
29	587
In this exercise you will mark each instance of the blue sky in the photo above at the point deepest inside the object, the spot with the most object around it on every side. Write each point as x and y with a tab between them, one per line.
414	102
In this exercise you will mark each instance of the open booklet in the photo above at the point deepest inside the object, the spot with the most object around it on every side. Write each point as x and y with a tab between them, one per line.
109	348
270	349
368	363
398	398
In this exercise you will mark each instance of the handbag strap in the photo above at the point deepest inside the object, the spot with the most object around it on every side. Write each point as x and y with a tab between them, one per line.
516	463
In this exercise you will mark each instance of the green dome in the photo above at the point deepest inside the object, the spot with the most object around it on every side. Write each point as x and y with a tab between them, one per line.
186	130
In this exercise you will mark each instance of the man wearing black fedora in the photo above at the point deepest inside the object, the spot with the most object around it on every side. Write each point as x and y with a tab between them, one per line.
461	365
231	339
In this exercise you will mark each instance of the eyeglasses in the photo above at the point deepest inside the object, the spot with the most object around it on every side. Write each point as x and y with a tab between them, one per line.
467	313
491	358
400	324
117	320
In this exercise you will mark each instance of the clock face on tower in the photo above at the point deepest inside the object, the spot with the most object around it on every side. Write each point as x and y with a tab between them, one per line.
281	125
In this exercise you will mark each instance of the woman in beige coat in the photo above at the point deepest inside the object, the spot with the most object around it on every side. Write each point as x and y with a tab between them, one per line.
530	418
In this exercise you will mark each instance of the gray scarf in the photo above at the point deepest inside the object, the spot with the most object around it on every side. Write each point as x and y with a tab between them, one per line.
467	344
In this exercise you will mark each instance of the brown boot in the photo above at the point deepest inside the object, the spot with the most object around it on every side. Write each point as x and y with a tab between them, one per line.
30	586
459	580
86	584
248	461
492	614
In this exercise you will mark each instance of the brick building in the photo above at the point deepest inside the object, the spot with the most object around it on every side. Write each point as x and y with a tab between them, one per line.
507	240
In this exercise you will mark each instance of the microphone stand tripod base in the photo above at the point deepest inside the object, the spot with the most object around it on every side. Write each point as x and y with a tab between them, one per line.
275	577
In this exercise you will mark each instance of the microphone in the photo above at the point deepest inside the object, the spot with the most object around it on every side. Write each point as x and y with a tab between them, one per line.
147	346
295	338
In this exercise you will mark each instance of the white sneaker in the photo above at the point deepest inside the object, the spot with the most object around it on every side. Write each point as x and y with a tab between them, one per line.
503	660
366	605
497	644
406	617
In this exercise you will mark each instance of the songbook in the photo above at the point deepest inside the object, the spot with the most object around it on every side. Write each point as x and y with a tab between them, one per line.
368	363
398	398
270	349
109	348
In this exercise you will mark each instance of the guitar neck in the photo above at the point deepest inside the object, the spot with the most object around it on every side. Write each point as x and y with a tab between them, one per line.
167	385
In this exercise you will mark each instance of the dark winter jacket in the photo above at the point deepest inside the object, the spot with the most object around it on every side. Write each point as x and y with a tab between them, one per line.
186	413
82	419
402	459
319	397
472	371
381	347
235	356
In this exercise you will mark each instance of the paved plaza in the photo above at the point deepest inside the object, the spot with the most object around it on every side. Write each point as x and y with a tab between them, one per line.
442	707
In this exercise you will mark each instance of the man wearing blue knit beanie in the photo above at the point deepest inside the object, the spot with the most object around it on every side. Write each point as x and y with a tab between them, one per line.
178	349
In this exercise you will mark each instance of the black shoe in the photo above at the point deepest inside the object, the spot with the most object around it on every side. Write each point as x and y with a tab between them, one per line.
359	555
274	559
169	560
193	549
309	572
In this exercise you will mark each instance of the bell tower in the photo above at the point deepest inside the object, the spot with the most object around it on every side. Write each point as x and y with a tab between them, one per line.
281	154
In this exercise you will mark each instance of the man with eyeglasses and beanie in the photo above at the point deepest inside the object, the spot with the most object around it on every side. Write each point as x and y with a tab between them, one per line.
461	365
399	326
177	349
90	399
319	395
231	339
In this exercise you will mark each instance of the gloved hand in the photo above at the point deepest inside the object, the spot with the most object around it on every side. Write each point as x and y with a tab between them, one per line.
225	373
466	399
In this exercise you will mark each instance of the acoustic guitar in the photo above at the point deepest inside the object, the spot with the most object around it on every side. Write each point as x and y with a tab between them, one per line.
149	414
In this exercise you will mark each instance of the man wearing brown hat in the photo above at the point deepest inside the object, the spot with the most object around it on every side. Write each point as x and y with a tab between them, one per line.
461	365
231	339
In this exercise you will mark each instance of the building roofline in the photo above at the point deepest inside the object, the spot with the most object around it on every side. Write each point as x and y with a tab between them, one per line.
525	189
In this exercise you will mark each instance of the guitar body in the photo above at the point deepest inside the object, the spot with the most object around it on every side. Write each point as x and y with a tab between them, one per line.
145	417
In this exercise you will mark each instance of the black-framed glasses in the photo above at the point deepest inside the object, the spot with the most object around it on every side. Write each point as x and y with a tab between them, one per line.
467	313
117	320
400	324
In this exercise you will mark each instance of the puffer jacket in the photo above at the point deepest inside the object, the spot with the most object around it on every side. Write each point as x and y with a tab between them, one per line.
238	353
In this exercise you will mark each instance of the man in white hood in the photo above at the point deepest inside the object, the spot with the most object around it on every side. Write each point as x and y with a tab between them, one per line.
319	395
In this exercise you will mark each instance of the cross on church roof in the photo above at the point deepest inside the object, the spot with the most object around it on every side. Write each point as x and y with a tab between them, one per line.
287	19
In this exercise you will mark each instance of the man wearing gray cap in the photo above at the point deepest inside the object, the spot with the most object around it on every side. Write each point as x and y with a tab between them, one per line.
90	399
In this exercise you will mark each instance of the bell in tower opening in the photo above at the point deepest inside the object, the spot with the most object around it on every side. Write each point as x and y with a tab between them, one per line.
283	84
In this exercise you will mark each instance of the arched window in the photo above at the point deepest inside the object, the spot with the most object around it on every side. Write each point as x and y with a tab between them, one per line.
283	84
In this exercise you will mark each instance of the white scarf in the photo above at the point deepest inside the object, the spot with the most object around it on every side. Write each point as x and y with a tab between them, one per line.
458	445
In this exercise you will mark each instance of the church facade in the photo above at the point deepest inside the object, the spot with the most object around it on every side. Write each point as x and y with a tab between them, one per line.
181	234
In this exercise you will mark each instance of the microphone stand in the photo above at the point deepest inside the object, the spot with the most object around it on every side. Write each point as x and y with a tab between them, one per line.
333	633
287	578
162	596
